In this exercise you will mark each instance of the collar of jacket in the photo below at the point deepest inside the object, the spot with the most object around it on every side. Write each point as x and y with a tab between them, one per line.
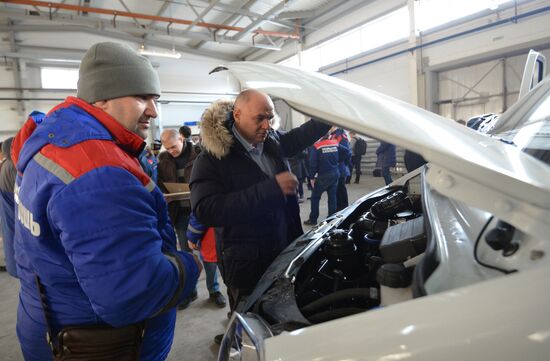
69	123
269	146
189	150
127	140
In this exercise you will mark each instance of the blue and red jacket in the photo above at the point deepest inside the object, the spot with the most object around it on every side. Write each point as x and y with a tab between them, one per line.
326	156
342	138
95	229
204	237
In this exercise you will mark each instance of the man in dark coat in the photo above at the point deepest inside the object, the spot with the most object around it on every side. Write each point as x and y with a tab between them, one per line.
386	159
241	185
174	166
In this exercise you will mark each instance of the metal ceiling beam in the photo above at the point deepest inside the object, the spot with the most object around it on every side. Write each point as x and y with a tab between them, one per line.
84	4
271	14
230	19
200	17
327	14
43	55
125	26
116	13
128	10
258	52
161	11
242	10
56	10
302	14
117	35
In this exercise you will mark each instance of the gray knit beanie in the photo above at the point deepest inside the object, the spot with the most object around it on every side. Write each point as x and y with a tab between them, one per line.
111	70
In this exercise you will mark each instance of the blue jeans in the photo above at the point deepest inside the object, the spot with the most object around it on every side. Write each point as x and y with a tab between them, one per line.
211	270
328	183
386	174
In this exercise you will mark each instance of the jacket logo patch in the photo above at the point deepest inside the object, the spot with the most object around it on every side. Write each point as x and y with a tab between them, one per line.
25	216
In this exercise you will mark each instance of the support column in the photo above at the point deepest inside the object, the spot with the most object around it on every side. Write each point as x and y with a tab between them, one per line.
432	91
414	57
17	82
504	87
156	126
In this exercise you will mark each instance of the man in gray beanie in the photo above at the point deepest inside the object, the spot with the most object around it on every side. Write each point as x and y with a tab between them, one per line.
93	237
124	84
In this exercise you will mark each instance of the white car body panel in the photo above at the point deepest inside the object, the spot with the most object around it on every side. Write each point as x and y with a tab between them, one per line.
470	312
493	320
468	166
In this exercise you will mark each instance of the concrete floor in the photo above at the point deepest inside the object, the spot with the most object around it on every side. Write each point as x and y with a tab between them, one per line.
195	327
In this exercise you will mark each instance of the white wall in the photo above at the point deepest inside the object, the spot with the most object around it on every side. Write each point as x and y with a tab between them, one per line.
390	77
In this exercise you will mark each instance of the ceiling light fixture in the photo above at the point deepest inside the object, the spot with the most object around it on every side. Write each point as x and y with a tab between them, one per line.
166	54
266	46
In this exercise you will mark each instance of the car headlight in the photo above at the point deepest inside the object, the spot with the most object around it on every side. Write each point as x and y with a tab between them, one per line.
244	338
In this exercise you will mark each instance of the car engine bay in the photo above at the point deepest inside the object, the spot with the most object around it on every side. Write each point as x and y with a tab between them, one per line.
366	262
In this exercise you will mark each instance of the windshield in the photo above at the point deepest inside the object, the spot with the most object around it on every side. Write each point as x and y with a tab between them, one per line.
533	133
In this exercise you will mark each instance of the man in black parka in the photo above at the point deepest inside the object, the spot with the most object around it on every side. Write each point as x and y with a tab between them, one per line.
241	185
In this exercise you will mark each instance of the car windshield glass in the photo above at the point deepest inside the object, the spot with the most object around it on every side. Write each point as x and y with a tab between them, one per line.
533	136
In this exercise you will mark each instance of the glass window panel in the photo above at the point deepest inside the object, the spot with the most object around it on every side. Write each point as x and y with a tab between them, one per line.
59	78
431	13
387	29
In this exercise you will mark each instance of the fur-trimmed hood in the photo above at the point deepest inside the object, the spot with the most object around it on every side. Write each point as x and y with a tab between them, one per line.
217	138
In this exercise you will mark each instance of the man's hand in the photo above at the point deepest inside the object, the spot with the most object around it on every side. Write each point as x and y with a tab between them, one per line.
287	182
168	198
313	182
192	245
198	262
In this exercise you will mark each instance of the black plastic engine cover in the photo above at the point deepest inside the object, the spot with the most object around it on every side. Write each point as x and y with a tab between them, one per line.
391	205
403	241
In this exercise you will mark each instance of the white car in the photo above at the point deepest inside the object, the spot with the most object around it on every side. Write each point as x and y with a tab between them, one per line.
450	262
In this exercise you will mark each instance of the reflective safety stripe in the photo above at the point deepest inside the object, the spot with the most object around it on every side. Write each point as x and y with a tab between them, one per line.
64	175
193	229
54	168
150	186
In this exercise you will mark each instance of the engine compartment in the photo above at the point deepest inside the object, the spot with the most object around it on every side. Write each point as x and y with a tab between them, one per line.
361	267
364	263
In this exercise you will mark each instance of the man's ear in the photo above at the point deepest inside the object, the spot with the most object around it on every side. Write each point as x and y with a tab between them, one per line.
236	114
102	104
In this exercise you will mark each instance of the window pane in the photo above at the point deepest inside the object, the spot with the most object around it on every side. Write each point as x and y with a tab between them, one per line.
384	30
389	28
431	13
59	78
311	59
292	62
340	48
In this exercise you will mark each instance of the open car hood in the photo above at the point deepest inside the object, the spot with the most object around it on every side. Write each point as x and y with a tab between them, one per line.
465	165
